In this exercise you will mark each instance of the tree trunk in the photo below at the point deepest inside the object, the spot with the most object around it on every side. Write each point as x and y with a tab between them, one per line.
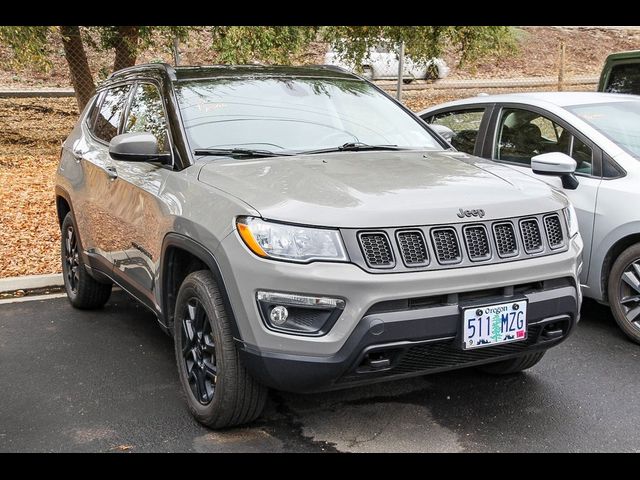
126	47
76	57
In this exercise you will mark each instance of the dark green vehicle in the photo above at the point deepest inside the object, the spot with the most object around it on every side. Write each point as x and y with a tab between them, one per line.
621	73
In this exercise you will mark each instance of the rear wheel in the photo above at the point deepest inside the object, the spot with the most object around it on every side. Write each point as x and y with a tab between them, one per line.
624	291
220	392
513	365
83	290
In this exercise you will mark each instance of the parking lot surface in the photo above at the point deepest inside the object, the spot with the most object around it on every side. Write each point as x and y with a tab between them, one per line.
106	381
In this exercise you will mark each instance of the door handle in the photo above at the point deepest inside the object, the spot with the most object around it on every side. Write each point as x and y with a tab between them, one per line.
112	173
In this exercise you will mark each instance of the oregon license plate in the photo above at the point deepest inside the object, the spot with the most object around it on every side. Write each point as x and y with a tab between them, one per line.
494	324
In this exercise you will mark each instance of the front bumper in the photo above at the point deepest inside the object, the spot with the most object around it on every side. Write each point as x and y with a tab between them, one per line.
415	340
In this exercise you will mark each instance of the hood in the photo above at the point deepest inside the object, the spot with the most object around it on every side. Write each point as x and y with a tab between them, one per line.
380	189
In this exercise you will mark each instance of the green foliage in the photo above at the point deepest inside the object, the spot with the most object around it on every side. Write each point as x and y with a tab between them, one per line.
278	44
29	45
422	43
109	37
244	44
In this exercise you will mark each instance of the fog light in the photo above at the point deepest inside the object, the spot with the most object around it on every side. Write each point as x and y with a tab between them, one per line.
299	314
279	315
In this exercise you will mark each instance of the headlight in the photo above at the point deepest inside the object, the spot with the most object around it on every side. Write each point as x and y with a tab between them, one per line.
572	220
291	242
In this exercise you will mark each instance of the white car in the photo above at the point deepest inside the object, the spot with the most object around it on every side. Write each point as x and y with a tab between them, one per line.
382	64
594	139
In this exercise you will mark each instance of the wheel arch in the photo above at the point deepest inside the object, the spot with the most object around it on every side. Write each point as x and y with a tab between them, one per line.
63	204
181	255
610	257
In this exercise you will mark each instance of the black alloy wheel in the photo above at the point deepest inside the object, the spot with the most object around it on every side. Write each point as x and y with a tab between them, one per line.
219	390
199	352
72	259
83	291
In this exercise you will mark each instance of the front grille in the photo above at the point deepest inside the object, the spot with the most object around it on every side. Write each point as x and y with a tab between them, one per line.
554	231
376	250
531	235
448	354
445	243
456	245
477	242
413	248
505	238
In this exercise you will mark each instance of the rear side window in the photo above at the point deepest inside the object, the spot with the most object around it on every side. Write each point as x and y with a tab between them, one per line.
465	125
624	79
93	111
110	113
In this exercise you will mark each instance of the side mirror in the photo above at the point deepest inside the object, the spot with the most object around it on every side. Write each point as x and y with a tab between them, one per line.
557	164
137	147
444	132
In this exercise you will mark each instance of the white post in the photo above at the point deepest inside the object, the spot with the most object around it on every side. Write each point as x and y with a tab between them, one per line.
400	70
176	51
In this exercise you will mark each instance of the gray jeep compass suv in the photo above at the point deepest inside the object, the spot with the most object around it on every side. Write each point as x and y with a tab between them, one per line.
297	228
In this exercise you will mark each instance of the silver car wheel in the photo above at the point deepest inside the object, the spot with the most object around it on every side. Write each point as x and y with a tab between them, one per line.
630	293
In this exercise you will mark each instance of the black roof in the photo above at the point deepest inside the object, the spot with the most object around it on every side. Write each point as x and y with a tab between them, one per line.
237	71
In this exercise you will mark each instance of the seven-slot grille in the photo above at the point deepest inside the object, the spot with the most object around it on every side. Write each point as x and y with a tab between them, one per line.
413	248
445	242
505	238
554	231
477	242
511	239
376	249
531	235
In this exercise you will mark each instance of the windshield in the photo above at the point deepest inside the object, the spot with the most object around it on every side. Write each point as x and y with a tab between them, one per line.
620	121
294	115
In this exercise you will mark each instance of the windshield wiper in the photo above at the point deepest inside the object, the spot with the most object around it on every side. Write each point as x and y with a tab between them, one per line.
352	147
245	152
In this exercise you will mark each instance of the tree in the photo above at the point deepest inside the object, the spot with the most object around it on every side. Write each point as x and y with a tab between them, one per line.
244	44
31	46
81	76
421	42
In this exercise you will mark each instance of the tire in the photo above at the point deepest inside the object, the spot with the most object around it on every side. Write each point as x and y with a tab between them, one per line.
433	72
513	365
367	72
83	291
627	313
407	81
220	392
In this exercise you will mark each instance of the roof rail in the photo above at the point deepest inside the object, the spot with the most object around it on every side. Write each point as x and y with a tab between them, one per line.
336	67
165	67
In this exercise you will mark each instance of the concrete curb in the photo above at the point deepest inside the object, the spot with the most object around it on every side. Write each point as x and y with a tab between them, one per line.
30	282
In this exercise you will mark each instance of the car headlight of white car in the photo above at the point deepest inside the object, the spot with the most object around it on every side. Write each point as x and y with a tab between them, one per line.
293	243
572	220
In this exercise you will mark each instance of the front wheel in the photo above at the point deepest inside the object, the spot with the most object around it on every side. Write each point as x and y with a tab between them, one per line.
220	392
624	291
513	365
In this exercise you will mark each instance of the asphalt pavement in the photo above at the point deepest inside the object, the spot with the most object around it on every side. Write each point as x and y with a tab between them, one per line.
105	381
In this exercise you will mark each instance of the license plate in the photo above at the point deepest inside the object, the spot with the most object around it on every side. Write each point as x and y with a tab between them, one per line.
494	324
